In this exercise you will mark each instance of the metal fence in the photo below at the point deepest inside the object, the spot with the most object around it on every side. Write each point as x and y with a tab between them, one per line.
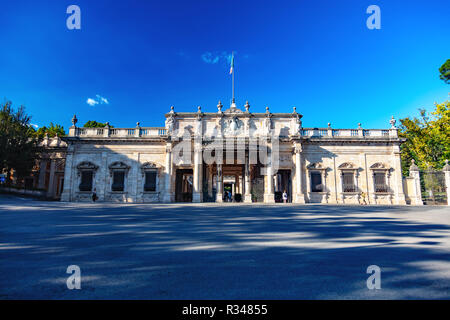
432	183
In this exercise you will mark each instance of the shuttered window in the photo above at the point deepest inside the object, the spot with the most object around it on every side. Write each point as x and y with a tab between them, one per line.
86	181
316	182
118	181
380	182
348	183
150	181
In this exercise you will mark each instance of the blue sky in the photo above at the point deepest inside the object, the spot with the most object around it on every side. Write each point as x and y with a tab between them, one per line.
144	56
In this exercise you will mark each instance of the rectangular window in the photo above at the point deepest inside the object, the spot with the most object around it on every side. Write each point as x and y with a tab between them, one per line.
118	181
86	181
316	182
150	181
380	182
348	183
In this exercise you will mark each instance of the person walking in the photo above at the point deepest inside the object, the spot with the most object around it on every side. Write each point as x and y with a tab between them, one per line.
285	196
363	196
94	195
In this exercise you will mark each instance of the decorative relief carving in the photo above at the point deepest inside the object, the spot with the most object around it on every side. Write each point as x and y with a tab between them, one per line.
118	166
233	126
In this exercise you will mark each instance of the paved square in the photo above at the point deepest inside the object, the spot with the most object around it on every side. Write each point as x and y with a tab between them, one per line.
227	251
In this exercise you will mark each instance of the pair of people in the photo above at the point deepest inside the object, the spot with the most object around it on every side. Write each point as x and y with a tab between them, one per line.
228	196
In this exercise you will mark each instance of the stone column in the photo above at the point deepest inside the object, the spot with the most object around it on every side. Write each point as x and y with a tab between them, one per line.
247	177
299	195
210	181
67	190
197	194
42	172
168	171
219	194
416	197
269	196
398	178
51	187
446	170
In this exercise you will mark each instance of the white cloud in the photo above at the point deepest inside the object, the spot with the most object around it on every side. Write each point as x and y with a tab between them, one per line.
215	57
99	100
91	102
34	125
102	100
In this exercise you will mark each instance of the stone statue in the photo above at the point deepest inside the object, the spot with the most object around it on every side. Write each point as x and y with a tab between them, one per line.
170	123
268	125
392	122
198	124
298	125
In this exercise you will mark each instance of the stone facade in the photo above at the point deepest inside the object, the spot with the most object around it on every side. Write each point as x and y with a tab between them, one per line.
254	157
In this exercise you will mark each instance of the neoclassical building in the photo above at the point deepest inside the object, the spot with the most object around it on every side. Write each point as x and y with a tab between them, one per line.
234	154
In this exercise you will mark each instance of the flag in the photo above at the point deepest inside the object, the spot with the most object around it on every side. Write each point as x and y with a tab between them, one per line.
232	63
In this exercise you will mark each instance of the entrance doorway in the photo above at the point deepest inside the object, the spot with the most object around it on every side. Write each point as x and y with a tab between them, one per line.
282	182
228	193
184	185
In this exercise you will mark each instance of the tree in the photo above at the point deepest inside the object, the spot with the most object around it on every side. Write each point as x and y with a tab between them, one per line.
17	141
428	138
95	124
445	71
52	130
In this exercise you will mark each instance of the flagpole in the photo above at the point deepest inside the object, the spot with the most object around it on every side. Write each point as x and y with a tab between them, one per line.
232	85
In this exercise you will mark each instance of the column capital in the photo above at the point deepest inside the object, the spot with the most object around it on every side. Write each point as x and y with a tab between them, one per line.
298	147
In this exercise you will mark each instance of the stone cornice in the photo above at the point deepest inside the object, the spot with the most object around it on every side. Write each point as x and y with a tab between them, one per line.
112	140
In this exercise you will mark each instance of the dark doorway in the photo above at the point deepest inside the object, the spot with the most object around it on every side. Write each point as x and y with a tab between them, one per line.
283	183
184	185
228	192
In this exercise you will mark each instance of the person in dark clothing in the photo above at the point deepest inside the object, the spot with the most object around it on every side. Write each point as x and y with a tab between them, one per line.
94	195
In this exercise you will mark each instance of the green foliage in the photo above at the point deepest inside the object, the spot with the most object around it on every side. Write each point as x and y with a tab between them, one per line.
17	141
95	124
428	138
52	130
445	71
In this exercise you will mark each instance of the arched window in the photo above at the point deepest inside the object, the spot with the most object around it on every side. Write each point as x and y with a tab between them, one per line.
317	177
150	175
380	174
86	172
349	177
118	171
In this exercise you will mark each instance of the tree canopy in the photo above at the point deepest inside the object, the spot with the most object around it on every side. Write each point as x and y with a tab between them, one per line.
95	124
17	140
52	130
445	71
428	138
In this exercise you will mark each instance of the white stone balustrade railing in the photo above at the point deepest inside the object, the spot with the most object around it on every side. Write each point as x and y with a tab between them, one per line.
118	132
161	131
342	133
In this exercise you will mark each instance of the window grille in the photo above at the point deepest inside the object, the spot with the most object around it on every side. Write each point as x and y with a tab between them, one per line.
348	183
118	181
380	182
316	182
86	181
150	181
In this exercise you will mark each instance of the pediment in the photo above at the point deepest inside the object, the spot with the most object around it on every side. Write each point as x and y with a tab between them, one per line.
118	165
86	165
316	166
347	165
378	165
233	110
